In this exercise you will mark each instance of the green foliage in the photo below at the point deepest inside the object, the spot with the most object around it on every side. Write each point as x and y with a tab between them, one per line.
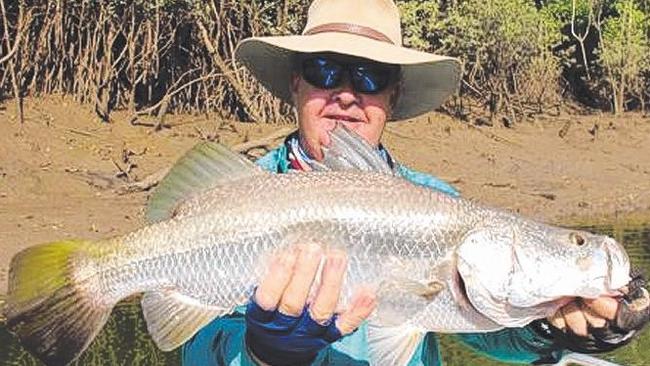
520	52
562	11
494	32
559	14
420	22
625	51
284	17
501	41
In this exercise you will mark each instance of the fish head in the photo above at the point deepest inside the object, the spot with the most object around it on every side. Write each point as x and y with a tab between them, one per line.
521	271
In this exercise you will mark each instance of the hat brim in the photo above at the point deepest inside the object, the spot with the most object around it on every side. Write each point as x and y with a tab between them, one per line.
426	80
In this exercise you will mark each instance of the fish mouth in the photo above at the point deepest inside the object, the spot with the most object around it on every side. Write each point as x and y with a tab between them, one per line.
618	261
462	289
459	291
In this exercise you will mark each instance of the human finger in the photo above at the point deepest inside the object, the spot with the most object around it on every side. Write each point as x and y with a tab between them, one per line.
603	306
575	319
277	277
594	320
557	320
324	304
294	296
316	151
361	307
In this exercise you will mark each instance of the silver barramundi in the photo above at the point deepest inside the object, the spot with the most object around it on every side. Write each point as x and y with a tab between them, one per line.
437	263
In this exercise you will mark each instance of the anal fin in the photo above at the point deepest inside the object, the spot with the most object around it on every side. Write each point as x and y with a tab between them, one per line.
173	318
394	346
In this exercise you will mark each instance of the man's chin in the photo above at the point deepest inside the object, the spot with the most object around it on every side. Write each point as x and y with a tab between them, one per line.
328	124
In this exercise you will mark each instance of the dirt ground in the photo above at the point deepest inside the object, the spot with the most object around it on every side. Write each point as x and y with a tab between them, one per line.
62	171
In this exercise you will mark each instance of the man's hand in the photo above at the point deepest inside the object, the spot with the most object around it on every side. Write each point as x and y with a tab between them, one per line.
581	314
283	327
602	324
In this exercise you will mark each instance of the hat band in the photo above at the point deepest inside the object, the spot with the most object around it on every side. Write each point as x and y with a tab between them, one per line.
349	28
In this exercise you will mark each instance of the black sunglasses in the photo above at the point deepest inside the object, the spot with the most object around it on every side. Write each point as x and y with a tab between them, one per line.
365	77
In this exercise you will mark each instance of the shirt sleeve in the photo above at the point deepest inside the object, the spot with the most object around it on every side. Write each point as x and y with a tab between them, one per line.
222	342
513	345
275	161
426	180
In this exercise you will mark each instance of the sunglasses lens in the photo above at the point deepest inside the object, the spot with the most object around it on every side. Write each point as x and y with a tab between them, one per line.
370	78
325	73
321	72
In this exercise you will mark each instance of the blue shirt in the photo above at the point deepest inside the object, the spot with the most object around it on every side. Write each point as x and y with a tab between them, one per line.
222	341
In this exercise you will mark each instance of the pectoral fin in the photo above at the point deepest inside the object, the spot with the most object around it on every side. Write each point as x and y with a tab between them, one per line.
427	291
393	345
173	318
407	287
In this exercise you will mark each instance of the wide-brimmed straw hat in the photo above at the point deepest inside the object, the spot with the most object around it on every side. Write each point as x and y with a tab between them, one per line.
362	28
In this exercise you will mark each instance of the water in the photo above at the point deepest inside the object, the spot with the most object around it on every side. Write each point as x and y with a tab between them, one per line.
124	340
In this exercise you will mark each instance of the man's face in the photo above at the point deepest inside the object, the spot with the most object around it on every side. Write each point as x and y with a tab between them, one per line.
320	109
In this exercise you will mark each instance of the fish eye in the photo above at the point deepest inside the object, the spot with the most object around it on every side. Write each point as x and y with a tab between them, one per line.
577	239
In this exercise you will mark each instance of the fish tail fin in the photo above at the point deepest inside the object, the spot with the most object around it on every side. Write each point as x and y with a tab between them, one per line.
53	304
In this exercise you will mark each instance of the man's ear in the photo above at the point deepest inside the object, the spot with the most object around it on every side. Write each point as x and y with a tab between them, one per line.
295	82
394	95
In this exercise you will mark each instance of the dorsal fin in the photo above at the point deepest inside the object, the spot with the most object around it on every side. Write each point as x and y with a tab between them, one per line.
349	151
206	165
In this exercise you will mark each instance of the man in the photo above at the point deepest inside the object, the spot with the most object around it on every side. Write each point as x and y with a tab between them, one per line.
349	67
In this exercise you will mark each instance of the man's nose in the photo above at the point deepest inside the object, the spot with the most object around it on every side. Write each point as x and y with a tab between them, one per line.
345	94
